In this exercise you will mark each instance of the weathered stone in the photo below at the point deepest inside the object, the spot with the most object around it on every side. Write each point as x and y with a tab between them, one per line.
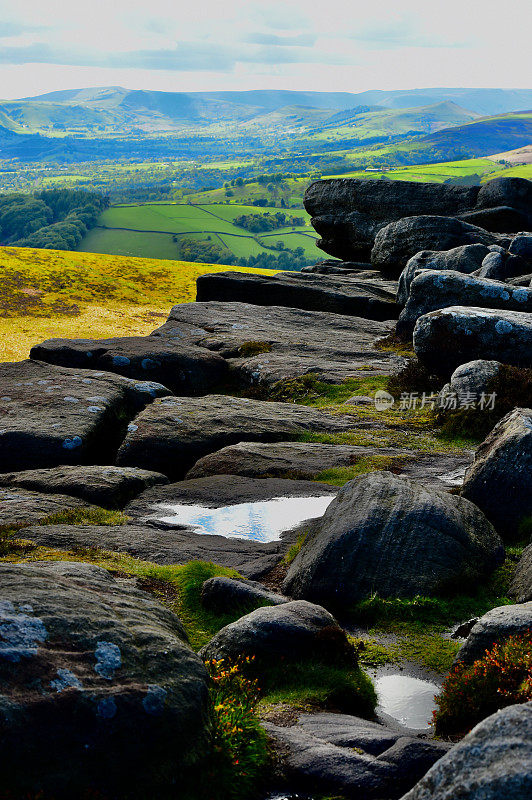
500	479
399	241
183	368
268	344
86	661
19	507
493	628
292	631
474	378
431	290
53	415
370	299
522	246
173	433
513	192
448	337
502	266
110	487
224	595
500	219
521	585
466	259
493	761
333	266
388	535
163	546
340	753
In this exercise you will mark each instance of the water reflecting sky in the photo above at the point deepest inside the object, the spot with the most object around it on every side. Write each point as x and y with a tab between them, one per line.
408	700
263	521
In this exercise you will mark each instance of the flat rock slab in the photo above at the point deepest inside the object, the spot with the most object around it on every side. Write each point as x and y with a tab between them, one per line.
341	753
86	660
173	433
304	460
107	486
251	559
371	299
19	507
52	415
183	368
266	344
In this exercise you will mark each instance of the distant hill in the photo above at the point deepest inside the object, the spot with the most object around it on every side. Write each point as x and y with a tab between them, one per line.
484	136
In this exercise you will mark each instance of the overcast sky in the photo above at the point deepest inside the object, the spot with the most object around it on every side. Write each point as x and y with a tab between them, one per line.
198	45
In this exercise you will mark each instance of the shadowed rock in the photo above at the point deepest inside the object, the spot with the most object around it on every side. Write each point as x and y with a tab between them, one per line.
223	595
85	660
521	585
493	628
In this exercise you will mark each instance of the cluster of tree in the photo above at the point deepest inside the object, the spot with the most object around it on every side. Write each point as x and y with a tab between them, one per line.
208	251
257	223
55	219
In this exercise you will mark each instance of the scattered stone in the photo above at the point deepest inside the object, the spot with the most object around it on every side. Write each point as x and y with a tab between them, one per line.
360	400
292	631
53	415
19	507
502	266
173	433
184	369
448	337
493	761
493	628
388	535
340	753
465	259
110	487
370	299
521	586
430	291
265	345
474	378
163	546
224	595
399	241
522	246
462	631
85	660
500	479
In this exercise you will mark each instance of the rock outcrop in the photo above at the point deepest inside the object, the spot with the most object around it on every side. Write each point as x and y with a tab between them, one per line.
466	259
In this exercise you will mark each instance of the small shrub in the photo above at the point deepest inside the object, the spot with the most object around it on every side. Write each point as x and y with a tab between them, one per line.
249	349
91	515
414	377
471	693
295	548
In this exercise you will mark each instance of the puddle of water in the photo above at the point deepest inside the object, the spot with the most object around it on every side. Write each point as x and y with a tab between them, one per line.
262	521
408	700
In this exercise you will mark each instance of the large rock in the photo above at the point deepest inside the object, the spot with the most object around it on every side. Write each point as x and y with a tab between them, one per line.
292	631
53	415
446	338
224	595
502	266
371	299
388	535
347	212
522	246
333	266
173	433
96	677
521	585
110	487
399	241
493	761
431	290
515	193
500	479
474	378
183	368
502	219
466	259
339	753
267	344
20	507
493	628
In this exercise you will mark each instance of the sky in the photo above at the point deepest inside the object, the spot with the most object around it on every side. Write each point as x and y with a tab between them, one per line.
207	45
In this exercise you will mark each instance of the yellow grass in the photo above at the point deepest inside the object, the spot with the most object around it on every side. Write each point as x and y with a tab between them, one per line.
54	293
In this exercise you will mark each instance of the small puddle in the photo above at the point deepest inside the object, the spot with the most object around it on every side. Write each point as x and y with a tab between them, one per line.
410	701
262	521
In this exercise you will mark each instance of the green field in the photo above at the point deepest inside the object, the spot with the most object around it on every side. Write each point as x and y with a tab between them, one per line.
154	229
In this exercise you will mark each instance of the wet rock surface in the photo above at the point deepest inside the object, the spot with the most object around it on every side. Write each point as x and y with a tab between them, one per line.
500	479
183	368
52	415
342	753
494	760
371	299
172	434
388	535
446	338
85	659
107	486
266	344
